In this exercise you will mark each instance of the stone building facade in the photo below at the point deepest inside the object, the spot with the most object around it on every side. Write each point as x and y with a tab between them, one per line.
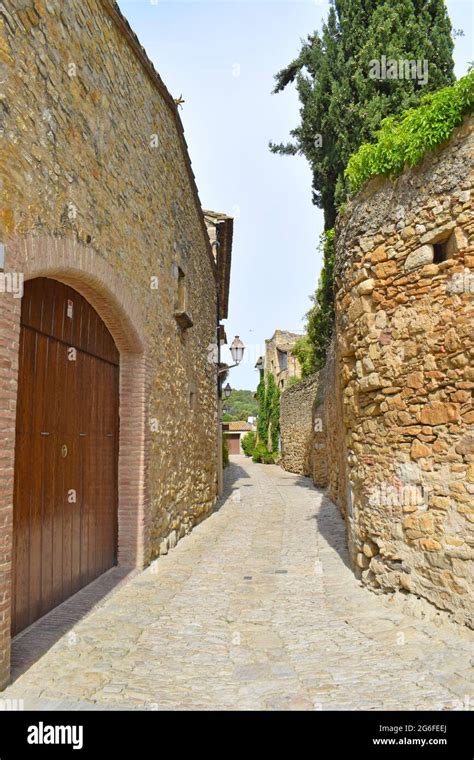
396	450
97	192
279	359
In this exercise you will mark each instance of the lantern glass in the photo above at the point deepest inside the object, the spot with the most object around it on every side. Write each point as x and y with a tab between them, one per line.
237	350
227	391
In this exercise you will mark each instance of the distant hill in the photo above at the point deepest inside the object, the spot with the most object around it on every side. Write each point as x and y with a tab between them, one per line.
239	406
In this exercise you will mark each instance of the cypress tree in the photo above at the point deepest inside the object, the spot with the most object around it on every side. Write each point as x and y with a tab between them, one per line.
341	103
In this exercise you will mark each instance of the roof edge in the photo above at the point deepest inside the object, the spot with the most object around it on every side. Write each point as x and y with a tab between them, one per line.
120	21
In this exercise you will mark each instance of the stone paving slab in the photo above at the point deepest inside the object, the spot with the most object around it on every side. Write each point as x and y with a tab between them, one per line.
256	609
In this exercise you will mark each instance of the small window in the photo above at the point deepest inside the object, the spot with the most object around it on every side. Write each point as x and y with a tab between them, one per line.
283	360
440	251
181	305
181	312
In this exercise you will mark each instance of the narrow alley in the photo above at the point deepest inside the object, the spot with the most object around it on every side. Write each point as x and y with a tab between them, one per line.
256	609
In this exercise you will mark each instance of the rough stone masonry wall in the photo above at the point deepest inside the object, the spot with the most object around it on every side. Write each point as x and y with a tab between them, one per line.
296	404
96	189
329	458
405	346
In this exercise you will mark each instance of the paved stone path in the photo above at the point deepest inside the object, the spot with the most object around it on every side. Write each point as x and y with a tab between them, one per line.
256	609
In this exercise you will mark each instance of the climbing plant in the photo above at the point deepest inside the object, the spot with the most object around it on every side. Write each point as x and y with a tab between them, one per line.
405	139
311	349
262	419
273	413
268	422
248	443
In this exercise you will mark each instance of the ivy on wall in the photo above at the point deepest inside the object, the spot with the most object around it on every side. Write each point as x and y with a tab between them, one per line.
312	348
268	423
404	140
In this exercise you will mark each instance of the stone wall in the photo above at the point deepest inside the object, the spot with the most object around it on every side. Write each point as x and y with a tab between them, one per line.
97	190
395	445
329	463
405	283
296	404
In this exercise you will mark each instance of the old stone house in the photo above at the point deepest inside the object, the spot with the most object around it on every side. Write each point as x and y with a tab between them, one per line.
109	422
390	417
279	359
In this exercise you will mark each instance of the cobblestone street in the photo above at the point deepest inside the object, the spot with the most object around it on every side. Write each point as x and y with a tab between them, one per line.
256	609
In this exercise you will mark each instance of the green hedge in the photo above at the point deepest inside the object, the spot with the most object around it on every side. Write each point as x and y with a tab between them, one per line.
225	451
262	454
404	140
248	443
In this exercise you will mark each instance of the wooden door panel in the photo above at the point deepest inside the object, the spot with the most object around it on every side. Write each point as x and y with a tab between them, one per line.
65	492
21	535
45	513
25	399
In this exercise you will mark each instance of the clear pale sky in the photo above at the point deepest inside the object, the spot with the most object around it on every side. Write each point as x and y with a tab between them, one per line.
221	56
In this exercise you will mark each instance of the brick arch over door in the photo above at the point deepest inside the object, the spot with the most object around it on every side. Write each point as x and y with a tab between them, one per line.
103	287
118	305
65	517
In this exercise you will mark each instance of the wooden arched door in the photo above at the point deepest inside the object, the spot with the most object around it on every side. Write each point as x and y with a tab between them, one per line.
66	458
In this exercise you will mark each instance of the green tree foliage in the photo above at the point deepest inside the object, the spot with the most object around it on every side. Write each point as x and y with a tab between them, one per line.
262	454
406	139
273	413
225	451
240	406
268	422
262	419
341	105
248	443
311	349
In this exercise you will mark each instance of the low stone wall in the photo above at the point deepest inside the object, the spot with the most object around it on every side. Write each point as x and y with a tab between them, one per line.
296	427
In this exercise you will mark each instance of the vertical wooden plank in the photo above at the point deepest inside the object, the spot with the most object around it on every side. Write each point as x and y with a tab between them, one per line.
21	534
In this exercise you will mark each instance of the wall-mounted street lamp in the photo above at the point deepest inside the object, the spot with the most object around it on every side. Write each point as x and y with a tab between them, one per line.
227	391
237	349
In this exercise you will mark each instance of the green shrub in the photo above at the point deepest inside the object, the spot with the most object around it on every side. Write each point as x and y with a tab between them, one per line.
262	455
404	140
259	452
248	443
225	451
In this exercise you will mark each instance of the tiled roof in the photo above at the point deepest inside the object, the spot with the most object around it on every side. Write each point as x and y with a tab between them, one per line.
238	426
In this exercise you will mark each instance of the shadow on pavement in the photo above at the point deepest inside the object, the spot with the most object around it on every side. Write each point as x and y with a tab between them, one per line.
32	643
329	522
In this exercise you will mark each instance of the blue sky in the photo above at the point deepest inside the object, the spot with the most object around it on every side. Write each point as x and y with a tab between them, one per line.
221	56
